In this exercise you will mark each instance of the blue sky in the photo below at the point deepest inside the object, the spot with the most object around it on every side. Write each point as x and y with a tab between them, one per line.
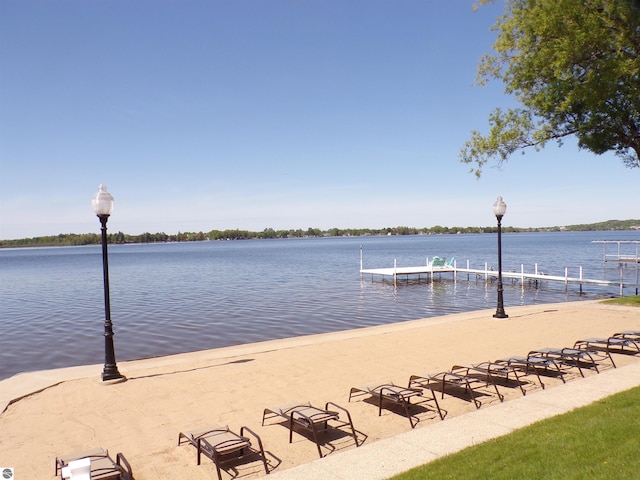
207	114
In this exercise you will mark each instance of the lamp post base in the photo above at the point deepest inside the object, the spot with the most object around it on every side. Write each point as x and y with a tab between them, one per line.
112	375
113	381
500	315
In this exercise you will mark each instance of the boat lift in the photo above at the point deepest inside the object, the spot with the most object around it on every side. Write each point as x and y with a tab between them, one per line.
624	255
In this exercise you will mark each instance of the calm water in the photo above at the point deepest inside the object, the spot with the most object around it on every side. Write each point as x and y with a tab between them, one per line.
171	298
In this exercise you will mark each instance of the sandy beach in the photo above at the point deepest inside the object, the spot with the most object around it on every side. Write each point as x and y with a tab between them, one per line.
143	416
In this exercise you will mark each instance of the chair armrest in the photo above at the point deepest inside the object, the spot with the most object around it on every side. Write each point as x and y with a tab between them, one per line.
124	464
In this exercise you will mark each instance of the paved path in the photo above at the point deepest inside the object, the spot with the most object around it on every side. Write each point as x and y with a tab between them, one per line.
388	457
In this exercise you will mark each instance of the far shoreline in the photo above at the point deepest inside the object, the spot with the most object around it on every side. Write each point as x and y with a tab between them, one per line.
119	238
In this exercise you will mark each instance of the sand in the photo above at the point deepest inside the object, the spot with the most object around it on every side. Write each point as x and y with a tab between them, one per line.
231	386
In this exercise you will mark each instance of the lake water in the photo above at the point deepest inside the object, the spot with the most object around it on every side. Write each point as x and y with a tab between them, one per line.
179	297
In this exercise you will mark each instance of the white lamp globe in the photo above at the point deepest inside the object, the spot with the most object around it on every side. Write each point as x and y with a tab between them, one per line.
102	201
499	208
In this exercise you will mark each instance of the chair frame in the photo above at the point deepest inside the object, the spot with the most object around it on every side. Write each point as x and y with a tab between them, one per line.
522	365
460	376
575	357
119	469
614	344
233	444
629	334
503	372
313	419
536	363
397	395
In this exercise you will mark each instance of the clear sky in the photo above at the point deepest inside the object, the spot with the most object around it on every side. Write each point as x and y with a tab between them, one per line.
211	114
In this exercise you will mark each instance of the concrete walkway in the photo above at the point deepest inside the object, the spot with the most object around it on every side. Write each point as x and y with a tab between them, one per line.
388	457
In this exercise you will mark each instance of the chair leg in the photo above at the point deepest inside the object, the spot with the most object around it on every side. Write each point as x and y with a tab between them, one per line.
406	405
218	470
515	373
291	428
353	430
500	396
259	440
350	422
315	438
473	397
611	359
435	399
199	451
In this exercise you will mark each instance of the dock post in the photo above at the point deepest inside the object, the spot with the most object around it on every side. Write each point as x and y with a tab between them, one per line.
581	279
566	278
621	283
522	275
395	275
360	262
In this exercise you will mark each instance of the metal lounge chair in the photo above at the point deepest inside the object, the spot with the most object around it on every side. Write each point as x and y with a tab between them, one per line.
613	344
103	467
519	364
398	396
537	363
223	446
630	334
313	419
503	374
576	357
460	377
621	342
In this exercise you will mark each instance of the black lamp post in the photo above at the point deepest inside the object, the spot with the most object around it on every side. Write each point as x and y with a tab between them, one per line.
103	205
499	209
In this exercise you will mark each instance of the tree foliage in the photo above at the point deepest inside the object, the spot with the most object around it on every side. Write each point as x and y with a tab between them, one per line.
73	239
574	66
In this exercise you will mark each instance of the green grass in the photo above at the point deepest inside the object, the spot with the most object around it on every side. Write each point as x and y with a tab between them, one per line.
599	441
633	300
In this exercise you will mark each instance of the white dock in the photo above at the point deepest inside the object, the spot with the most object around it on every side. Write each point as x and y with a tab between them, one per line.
487	274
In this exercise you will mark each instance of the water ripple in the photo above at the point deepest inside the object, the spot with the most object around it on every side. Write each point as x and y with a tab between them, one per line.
172	298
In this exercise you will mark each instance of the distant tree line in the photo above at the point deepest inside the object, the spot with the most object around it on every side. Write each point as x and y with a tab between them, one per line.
73	239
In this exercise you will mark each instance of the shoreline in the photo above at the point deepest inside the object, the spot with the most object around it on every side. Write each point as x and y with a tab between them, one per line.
70	409
23	384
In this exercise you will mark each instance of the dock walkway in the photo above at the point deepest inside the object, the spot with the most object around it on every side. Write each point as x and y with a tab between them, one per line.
487	274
